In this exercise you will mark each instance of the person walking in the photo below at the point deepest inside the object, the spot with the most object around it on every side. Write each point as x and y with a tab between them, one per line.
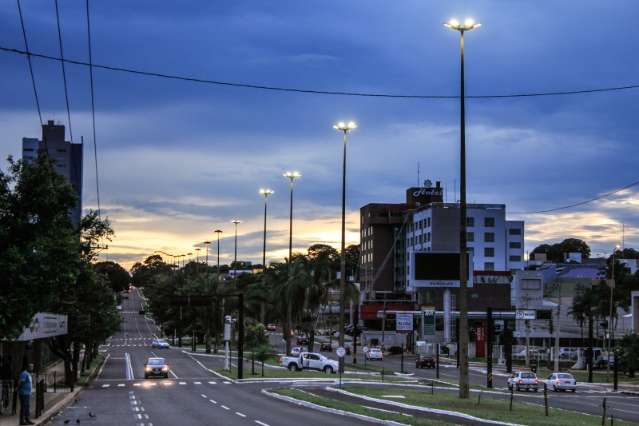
25	388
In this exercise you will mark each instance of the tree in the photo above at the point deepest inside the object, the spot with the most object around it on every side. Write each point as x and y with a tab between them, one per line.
38	245
555	252
629	353
117	276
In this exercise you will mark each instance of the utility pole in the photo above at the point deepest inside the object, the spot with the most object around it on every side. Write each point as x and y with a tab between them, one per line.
557	331
489	347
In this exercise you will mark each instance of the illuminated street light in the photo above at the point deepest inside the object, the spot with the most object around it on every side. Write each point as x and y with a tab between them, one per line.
265	192
235	222
462	303
345	128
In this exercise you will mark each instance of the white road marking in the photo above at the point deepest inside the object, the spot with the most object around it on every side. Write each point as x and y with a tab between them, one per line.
225	407
106	386
139	416
202	395
120	385
227	383
240	414
212	383
213	401
136	409
146	416
197	383
182	383
261	423
173	374
137	384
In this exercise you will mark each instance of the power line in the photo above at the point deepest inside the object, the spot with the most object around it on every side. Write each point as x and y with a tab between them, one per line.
95	143
317	91
26	46
64	73
581	203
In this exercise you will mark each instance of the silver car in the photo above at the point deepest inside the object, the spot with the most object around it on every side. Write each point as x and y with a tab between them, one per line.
156	367
523	380
561	382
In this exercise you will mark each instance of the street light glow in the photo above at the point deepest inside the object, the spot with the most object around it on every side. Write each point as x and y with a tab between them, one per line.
468	25
343	126
292	175
266	192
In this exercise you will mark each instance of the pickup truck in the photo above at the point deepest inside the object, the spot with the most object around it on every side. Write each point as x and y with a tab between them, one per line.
309	361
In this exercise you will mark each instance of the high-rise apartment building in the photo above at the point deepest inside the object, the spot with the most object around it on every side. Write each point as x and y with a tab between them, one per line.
66	156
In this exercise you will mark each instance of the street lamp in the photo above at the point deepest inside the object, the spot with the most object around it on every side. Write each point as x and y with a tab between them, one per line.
345	128
291	176
612	293
207	342
464	389
197	254
265	192
235	222
218	232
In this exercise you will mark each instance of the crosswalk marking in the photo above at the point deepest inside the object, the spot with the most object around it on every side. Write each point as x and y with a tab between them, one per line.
164	383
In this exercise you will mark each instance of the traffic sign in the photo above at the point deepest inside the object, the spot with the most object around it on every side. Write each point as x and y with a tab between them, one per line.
365	349
340	352
526	314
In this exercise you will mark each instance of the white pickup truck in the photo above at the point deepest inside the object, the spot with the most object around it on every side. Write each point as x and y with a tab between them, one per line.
309	361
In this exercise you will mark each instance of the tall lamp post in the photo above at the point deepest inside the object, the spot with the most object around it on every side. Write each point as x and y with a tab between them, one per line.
235	222
612	294
464	389
218	232
207	343
291	176
265	192
345	128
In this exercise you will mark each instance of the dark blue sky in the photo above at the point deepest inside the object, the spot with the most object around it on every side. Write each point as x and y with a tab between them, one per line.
180	159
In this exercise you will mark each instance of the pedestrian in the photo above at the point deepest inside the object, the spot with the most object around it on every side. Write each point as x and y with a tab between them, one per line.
25	387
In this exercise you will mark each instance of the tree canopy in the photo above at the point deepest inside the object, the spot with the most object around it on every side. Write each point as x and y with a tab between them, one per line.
556	252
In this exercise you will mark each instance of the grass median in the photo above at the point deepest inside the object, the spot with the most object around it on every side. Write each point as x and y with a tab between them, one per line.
270	373
356	408
488	407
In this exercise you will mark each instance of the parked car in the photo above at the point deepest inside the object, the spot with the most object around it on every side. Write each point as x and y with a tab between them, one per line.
326	347
296	350
374	354
160	344
425	361
156	367
523	380
302	340
309	361
561	382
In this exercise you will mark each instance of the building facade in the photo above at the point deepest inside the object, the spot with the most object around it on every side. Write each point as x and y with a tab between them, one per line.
67	159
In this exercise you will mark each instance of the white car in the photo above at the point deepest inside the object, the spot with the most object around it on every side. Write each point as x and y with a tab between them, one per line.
523	380
561	382
160	344
310	361
374	354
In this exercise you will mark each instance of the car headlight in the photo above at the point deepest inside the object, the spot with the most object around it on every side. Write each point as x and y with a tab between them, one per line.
147	369
165	368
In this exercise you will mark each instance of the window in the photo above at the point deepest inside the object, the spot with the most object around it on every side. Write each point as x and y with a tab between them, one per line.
470	237
489	252
489	222
470	221
428	236
428	222
489	237
515	258
514	245
489	266
514	231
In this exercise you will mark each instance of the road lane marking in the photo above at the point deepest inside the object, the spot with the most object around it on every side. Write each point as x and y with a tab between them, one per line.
227	383
106	386
120	385
240	414
213	401
137	384
146	416
225	407
197	383
129	367
139	416
173	374
212	383
261	423
202	395
182	383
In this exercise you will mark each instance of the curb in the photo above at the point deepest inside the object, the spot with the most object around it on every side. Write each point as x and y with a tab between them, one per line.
330	410
57	407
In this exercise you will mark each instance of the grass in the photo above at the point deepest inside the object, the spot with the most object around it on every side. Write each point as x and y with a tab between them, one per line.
489	408
270	373
355	408
90	371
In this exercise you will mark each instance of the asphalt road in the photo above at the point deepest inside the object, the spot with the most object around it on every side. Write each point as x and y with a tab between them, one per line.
191	396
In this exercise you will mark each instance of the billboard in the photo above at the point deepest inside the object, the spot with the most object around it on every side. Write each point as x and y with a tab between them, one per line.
436	269
404	322
44	325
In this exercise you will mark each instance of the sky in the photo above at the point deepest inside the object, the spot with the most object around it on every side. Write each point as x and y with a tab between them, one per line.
178	160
